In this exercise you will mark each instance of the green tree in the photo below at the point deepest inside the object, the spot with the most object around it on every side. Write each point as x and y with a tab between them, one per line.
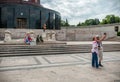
62	23
104	21
110	19
66	23
79	24
107	19
92	22
87	22
96	21
117	19
83	24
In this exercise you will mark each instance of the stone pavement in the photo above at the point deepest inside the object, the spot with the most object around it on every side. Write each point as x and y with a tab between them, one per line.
67	42
59	68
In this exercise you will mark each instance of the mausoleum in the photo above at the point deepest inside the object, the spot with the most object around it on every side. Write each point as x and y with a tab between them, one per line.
27	14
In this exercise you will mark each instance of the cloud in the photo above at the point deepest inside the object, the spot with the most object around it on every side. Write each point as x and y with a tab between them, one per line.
80	10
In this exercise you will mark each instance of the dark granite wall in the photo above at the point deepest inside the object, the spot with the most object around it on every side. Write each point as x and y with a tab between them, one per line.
33	15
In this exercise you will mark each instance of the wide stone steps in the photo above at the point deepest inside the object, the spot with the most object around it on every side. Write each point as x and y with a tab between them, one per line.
27	50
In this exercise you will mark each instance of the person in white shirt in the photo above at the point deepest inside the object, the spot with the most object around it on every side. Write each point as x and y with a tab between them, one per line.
94	51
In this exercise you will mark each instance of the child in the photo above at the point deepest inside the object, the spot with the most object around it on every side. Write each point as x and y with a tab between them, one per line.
94	53
28	39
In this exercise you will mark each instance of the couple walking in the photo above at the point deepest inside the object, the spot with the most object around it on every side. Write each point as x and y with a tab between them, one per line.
97	51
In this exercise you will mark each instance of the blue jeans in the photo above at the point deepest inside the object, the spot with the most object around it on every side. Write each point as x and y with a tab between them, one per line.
27	41
94	60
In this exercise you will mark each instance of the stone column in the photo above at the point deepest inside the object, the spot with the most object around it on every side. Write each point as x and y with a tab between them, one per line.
53	36
44	36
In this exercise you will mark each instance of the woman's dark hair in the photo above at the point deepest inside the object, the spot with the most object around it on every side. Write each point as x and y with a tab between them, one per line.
105	33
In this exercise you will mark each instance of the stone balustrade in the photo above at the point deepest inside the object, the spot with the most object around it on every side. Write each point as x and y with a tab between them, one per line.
65	34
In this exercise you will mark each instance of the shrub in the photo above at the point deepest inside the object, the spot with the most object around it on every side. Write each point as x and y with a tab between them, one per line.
118	34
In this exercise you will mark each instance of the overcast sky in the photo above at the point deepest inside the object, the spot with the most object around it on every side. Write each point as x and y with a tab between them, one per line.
79	10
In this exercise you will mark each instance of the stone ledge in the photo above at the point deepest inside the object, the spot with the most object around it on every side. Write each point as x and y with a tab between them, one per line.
13	41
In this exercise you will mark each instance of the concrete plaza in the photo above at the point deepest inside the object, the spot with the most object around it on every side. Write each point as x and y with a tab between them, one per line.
59	68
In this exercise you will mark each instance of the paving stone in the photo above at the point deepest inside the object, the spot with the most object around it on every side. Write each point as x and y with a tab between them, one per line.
60	59
17	61
59	68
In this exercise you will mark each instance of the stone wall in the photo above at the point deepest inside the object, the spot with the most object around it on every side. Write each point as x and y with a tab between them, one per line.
67	34
86	33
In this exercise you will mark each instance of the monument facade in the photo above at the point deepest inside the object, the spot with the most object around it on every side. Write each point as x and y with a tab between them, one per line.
27	14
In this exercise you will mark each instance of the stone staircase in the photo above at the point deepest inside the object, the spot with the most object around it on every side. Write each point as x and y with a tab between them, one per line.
47	49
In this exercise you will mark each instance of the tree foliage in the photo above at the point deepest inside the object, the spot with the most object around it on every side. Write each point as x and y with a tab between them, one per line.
62	23
65	23
109	19
79	24
92	22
